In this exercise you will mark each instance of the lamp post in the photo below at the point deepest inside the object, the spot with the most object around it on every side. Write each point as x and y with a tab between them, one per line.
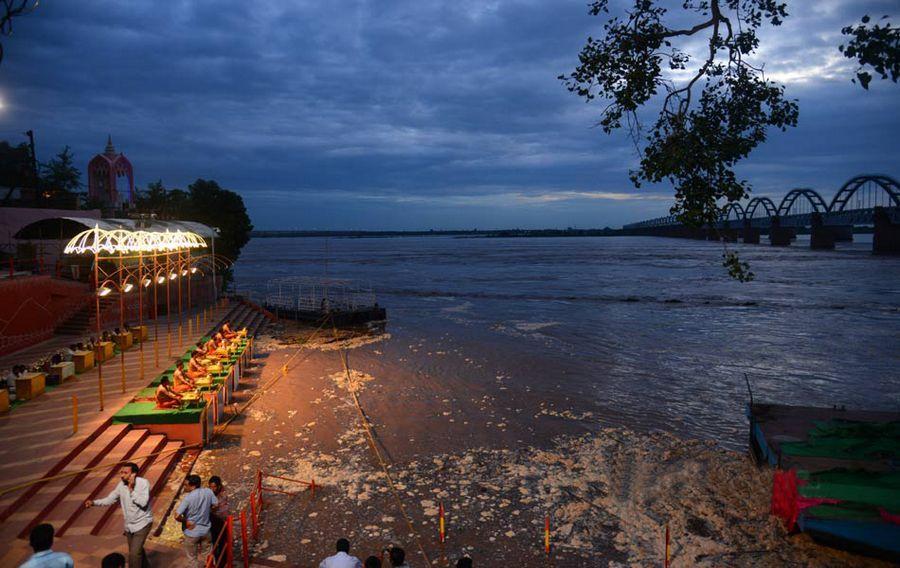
97	313
180	338
168	310
155	311
140	283
121	321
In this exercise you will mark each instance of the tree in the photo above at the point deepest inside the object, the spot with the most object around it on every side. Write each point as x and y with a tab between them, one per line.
15	168
212	205
60	175
10	9
708	122
714	107
876	48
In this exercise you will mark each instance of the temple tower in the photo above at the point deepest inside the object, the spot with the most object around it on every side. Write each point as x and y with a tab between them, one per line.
103	173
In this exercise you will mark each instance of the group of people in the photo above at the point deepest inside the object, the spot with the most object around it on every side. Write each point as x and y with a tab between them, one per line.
8	377
203	512
206	356
395	556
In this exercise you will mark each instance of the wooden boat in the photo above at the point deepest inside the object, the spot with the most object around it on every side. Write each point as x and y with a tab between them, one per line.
836	476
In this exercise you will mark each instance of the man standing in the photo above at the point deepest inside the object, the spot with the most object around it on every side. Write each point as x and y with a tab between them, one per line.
193	512
219	515
133	494
342	559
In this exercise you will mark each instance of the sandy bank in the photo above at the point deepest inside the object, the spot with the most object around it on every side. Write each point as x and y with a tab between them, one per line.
500	457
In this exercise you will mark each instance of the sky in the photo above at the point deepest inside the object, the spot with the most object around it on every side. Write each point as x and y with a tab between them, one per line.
415	114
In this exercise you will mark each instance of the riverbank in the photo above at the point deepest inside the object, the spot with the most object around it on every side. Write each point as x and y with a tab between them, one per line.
500	457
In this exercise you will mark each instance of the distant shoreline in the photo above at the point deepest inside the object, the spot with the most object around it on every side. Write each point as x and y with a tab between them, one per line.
607	232
499	233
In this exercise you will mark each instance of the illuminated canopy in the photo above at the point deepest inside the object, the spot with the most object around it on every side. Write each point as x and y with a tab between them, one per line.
124	241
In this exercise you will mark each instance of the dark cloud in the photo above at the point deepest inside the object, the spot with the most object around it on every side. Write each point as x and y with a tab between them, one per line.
398	114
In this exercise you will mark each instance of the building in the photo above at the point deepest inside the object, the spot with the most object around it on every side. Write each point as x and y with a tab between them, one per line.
104	171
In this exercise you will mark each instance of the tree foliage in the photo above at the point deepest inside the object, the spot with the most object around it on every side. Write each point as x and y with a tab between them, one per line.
875	47
210	204
10	9
60	175
205	202
715	106
15	168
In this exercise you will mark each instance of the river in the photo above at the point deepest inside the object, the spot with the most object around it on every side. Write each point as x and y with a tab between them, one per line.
647	333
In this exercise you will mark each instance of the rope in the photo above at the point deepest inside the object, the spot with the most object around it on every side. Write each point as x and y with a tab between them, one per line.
25	484
260	390
374	446
219	429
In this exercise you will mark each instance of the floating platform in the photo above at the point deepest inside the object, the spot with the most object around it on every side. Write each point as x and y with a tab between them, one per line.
340	318
315	300
838	476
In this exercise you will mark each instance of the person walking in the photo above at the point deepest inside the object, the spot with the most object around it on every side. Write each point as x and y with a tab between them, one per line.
194	511
41	540
133	494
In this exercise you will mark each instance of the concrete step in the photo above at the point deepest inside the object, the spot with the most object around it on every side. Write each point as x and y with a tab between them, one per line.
157	473
12	456
32	512
83	521
89	485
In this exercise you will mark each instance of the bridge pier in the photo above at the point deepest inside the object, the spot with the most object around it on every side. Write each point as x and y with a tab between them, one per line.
781	236
750	234
887	234
820	236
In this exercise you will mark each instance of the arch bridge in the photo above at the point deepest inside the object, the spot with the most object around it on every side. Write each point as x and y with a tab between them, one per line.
871	200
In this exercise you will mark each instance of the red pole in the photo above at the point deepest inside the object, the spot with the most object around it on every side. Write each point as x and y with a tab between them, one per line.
245	547
547	535
259	486
253	515
229	545
441	513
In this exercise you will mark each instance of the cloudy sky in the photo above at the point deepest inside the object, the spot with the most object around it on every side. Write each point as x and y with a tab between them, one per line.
402	114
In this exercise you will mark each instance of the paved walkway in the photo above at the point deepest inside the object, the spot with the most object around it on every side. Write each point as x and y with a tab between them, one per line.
37	434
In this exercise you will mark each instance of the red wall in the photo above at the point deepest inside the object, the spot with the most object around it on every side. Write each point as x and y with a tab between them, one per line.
32	306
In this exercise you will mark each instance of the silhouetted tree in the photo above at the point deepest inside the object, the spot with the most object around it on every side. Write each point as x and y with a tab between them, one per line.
715	106
60	174
15	168
10	9
875	47
208	203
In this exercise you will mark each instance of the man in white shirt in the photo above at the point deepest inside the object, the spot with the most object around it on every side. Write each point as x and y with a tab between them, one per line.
133	494
342	559
41	540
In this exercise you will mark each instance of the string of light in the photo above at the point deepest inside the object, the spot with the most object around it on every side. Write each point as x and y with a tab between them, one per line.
122	241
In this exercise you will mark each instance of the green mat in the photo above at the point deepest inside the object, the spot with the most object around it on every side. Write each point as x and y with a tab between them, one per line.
147	413
845	439
877	489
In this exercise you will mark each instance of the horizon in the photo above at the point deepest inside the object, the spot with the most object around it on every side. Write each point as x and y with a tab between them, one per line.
379	118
